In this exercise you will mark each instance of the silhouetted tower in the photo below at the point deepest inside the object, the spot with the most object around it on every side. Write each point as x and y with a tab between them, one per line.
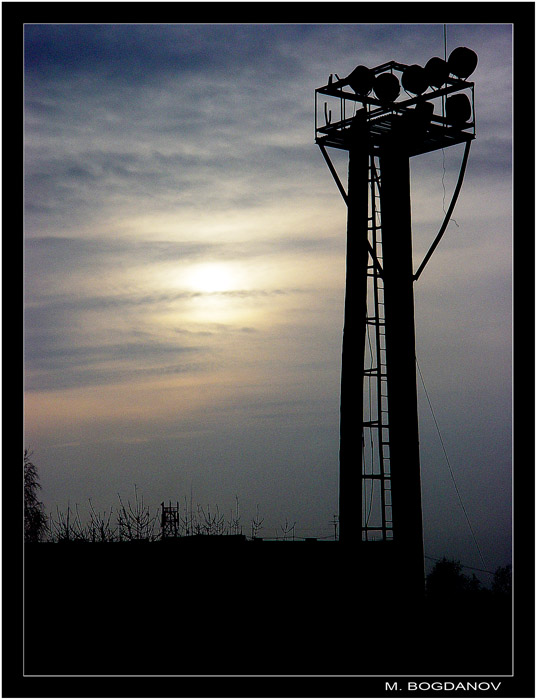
380	483
169	523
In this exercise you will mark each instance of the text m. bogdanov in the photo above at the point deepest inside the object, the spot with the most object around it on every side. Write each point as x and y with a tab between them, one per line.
448	686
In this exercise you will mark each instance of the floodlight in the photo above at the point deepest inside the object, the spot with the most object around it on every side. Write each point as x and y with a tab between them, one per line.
458	109
437	71
386	87
424	112
361	80
462	62
414	79
399	103
415	122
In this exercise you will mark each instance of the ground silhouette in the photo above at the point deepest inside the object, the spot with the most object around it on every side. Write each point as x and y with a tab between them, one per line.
226	605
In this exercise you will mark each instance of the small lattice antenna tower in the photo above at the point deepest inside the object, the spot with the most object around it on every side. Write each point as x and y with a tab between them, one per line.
169	521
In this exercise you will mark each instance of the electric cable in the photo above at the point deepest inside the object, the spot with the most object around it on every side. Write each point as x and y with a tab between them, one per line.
449	466
464	566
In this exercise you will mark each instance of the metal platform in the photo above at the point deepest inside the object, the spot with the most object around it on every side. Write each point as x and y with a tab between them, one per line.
436	137
385	120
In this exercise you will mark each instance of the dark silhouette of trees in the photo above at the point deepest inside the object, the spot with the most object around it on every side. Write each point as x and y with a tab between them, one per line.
257	523
288	530
68	527
135	521
100	528
35	520
210	523
447	580
234	526
475	620
501	583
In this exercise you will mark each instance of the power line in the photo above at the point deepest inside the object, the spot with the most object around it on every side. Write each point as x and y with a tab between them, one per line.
449	465
464	566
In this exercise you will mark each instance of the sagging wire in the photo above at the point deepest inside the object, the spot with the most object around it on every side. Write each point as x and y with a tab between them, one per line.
449	466
464	566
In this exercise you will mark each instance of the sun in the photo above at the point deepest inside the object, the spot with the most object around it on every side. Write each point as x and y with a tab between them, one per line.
210	277
215	292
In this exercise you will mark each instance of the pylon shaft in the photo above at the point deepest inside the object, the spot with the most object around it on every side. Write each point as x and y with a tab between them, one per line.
396	442
401	355
350	486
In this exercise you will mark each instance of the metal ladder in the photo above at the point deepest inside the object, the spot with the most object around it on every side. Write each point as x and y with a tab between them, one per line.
376	476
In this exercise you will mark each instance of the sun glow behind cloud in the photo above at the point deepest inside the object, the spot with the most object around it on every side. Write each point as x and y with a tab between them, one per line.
212	277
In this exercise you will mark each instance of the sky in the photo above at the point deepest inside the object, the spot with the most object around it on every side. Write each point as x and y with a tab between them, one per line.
185	271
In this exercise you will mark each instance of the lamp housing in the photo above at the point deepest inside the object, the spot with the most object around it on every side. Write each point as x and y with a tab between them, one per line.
361	80
458	109
414	79
386	87
437	71
462	62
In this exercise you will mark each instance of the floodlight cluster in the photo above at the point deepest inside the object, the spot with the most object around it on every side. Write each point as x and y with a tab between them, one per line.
416	80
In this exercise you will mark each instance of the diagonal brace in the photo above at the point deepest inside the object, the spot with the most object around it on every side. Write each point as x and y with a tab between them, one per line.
448	213
346	198
334	173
